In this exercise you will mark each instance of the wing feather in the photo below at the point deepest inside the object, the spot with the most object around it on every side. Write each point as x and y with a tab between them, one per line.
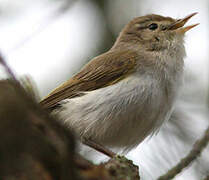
101	71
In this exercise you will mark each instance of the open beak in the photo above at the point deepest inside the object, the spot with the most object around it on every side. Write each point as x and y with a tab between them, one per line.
178	25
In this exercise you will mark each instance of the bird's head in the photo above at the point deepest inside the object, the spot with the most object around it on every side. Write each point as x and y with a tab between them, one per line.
155	32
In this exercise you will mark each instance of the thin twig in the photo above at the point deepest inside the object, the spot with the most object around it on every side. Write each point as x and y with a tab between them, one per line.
193	154
7	68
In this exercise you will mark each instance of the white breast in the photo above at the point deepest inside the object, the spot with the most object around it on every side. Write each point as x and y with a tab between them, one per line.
120	115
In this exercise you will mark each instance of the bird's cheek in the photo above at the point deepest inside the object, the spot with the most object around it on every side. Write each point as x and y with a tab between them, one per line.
170	36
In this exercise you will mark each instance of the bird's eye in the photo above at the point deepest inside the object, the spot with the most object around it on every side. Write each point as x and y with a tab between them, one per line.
153	26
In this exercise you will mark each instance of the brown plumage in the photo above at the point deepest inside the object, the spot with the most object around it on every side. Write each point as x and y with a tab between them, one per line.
102	71
125	94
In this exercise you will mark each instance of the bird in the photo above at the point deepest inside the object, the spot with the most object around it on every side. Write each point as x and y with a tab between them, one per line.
125	94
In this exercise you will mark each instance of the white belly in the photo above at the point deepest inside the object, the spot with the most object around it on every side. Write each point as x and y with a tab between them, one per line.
120	115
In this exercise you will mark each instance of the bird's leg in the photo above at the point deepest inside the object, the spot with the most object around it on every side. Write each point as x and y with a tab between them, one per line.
98	147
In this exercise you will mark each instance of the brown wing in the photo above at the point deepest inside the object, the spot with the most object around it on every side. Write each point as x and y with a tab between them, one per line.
102	71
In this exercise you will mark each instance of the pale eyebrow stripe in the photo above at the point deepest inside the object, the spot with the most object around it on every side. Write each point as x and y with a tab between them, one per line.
141	25
144	21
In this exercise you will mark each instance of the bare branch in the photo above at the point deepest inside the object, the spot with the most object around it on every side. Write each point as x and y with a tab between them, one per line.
7	68
185	162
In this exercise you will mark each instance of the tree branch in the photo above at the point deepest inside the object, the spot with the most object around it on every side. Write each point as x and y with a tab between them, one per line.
193	154
7	68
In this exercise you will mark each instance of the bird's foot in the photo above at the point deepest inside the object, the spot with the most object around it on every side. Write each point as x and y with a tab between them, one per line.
98	147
